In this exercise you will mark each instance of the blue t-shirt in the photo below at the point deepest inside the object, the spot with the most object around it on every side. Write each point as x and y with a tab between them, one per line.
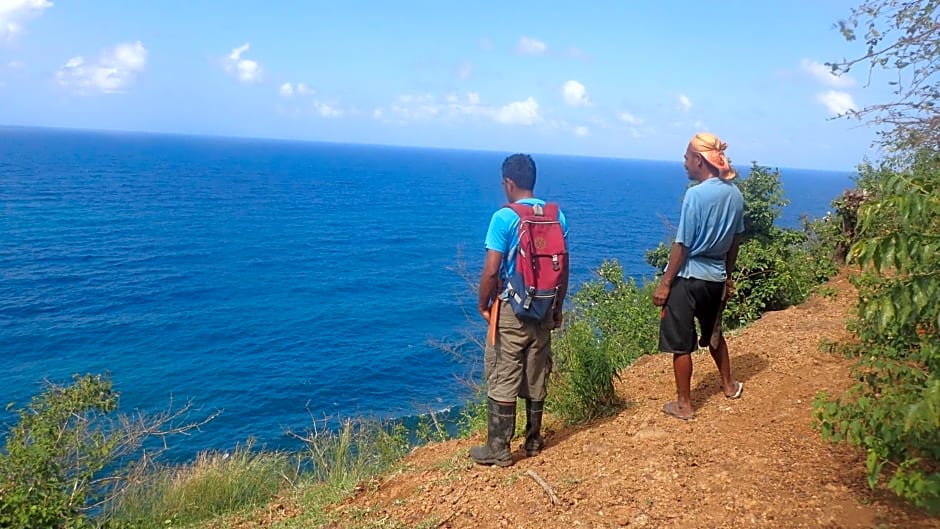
712	214
503	235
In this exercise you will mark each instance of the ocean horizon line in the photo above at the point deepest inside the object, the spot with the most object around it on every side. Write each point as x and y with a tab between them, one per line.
306	141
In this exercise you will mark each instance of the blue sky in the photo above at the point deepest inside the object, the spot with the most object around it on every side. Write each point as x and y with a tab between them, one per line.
625	79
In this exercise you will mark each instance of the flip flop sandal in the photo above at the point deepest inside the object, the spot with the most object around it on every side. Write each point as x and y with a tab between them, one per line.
672	408
738	390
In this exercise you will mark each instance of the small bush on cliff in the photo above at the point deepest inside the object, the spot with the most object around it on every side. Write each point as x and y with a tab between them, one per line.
613	322
68	454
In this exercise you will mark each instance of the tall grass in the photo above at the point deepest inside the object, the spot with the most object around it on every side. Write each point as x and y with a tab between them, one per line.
330	464
355	450
336	461
214	484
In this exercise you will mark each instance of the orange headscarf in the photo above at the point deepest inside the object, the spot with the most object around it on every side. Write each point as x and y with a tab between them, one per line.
713	150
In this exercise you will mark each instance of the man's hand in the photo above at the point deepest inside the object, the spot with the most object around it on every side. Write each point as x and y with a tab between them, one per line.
485	312
558	318
677	256
661	294
729	288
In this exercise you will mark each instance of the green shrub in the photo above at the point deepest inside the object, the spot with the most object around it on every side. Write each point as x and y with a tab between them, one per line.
893	412
776	267
613	322
776	272
763	201
52	462
69	454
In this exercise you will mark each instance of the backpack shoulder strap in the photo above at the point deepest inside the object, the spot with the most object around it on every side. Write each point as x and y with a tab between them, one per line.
520	209
551	210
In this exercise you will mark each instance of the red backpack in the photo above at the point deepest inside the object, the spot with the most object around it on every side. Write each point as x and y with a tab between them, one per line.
541	259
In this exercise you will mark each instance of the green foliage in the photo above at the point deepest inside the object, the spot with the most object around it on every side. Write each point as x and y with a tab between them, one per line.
776	267
54	455
775	272
613	323
69	455
429	430
658	257
763	201
473	415
214	484
894	410
356	450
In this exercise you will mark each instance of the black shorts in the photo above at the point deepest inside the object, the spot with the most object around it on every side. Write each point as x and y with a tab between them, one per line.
689	300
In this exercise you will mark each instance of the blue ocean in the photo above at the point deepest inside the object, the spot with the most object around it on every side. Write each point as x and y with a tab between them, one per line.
281	282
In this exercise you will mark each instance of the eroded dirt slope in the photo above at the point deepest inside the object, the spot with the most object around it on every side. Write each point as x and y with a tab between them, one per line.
753	462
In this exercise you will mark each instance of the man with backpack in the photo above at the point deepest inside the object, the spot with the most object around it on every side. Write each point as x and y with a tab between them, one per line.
697	280
522	290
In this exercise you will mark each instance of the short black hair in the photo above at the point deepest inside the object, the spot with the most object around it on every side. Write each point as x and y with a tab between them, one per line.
520	168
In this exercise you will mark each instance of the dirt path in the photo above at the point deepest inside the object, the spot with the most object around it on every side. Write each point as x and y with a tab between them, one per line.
753	462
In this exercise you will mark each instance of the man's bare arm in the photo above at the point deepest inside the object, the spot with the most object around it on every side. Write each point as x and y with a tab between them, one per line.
677	258
489	281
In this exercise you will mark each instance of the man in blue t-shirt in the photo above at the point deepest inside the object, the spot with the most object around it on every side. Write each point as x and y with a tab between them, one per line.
519	360
698	277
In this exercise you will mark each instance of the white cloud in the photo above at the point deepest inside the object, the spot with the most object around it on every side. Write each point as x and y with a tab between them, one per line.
630	119
837	102
575	94
14	12
824	75
581	131
424	107
247	70
519	113
416	107
115	70
685	103
300	89
530	46
236	53
326	110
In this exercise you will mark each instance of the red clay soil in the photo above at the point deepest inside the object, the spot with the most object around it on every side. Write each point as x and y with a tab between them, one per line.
753	462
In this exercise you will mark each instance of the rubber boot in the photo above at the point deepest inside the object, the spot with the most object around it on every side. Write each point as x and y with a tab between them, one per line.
533	427
501	422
